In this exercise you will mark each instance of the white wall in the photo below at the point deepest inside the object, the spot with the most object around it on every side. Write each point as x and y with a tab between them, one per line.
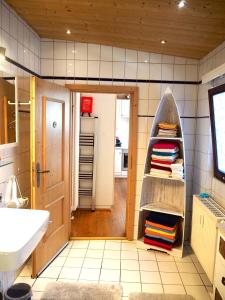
122	122
204	180
104	107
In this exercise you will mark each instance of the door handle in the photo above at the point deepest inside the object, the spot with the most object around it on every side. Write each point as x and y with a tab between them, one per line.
43	171
39	172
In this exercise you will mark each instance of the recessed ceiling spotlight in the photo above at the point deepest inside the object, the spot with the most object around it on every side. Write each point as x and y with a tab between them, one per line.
145	61
68	31
181	4
163	42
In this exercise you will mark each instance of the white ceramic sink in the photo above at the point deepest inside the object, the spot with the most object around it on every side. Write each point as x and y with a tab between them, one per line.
20	232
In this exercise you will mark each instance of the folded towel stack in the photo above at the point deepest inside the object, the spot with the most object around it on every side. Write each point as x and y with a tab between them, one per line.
177	169
161	230
163	156
167	130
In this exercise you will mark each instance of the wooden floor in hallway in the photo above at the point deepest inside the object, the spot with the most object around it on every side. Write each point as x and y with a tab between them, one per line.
103	223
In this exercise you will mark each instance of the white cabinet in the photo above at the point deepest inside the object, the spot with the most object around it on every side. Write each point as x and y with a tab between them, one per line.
204	235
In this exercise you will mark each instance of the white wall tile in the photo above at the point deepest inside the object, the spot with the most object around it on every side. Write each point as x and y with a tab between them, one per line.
47	50
13	25
93	68
106	53
192	72
93	52
143	57
118	54
106	69
167	72
154	91
20	32
26	37
70	69
70	50
60	67
156	72
59	50
5	18
179	72
167	59
155	58
131	55
180	60
81	50
118	69
143	90
81	68
130	70
143	71
47	67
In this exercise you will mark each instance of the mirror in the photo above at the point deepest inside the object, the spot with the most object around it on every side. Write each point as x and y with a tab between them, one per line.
8	111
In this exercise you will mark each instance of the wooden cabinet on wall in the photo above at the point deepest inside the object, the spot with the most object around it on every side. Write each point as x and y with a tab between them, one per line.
205	217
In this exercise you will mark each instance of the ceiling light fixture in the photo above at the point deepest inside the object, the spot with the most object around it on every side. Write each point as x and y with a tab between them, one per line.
2	53
163	42
68	31
181	4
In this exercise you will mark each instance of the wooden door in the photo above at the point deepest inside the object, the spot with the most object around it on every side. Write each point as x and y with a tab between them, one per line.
50	166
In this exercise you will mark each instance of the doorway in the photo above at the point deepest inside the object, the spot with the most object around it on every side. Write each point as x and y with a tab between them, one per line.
100	218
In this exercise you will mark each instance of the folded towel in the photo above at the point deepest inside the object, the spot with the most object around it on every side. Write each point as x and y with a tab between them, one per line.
160	237
165	125
157	244
161	226
158	233
175	150
161	229
161	164
170	158
163	153
162	145
163	219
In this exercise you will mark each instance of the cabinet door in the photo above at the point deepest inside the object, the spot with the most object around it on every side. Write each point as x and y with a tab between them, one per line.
196	227
208	238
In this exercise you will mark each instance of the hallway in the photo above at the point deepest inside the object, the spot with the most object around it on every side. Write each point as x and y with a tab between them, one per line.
103	223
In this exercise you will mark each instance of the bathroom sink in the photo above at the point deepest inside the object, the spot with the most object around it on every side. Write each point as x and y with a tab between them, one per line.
20	232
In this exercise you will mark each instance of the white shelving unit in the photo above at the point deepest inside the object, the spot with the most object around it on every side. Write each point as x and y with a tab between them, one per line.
164	194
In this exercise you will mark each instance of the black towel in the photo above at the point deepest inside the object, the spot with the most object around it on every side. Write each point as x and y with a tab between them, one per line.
163	219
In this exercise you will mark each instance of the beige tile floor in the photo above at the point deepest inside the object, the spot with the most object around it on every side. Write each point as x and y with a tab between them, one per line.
121	262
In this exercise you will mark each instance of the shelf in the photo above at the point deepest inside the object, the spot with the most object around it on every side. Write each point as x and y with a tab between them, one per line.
168	177
176	251
167	138
163	208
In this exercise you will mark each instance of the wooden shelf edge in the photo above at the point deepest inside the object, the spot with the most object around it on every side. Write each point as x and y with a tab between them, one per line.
162	210
164	177
166	138
176	251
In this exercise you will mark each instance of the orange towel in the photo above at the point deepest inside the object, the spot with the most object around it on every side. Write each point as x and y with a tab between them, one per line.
161	226
164	125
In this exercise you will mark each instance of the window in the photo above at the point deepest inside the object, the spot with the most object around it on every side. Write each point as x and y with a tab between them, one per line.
217	116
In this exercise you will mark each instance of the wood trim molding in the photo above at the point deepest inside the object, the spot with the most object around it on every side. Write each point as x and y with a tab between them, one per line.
132	151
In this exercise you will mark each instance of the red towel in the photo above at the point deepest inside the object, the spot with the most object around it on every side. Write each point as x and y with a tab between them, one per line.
158	244
165	145
157	161
161	168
